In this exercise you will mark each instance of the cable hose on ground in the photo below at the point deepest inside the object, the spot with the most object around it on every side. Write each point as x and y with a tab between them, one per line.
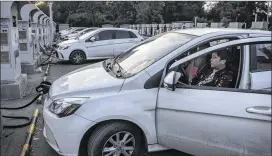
18	125
15	108
43	88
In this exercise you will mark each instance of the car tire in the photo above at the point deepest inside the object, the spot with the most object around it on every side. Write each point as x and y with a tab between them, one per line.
100	140
77	57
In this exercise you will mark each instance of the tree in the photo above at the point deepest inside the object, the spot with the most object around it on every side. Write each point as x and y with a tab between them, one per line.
149	12
225	22
182	11
236	11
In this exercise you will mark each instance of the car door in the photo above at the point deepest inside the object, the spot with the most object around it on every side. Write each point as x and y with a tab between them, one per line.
102	46
123	41
216	121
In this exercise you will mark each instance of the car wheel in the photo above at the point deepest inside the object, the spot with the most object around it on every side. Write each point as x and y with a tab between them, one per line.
115	139
77	57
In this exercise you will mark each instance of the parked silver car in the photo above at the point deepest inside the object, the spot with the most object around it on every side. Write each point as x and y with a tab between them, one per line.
201	91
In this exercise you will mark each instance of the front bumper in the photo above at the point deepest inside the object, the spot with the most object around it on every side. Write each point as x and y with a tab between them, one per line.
64	134
62	54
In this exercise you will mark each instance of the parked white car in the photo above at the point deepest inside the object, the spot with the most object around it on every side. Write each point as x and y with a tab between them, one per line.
80	33
62	31
71	31
98	44
144	99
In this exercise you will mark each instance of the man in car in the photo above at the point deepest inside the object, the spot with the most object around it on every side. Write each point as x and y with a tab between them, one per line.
218	75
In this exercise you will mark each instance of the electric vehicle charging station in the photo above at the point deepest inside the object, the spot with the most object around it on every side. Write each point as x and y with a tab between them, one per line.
13	82
34	34
26	40
47	30
43	29
54	32
37	26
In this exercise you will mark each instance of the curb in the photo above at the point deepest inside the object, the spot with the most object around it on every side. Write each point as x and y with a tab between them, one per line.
30	133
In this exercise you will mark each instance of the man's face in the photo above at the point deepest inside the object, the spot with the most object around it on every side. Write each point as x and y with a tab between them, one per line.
216	62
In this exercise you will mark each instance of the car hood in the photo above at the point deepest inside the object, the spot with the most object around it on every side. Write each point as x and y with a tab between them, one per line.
68	42
85	82
72	35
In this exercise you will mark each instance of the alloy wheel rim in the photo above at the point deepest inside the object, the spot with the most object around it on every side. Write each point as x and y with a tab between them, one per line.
78	58
119	144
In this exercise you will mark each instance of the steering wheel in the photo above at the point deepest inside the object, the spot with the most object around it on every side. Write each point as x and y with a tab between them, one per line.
183	73
181	69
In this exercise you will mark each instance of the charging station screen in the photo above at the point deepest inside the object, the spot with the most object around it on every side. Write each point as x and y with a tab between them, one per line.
4	57
23	46
22	34
4	39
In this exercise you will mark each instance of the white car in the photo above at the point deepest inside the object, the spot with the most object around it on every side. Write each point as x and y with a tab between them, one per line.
67	30
98	44
71	31
142	101
62	31
80	33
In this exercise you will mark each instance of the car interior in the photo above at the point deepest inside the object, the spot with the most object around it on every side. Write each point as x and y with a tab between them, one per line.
194	67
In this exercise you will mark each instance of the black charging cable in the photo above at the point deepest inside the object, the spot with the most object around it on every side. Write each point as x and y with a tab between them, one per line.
43	88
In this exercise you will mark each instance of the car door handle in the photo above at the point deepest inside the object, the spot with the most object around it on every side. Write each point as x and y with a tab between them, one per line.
265	110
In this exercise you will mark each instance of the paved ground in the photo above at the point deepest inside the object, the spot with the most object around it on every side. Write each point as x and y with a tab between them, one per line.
12	145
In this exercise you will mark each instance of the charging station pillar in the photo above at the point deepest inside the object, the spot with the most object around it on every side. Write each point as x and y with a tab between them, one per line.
54	32
37	27
41	22
13	82
46	34
26	40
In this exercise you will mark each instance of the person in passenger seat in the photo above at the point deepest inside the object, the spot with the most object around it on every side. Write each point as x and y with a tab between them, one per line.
199	62
218	75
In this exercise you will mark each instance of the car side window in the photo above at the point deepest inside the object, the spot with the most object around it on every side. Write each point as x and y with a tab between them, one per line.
199	62
217	69
261	57
120	34
132	35
104	35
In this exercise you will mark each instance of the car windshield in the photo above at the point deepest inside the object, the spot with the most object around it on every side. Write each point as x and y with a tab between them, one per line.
85	31
86	35
145	54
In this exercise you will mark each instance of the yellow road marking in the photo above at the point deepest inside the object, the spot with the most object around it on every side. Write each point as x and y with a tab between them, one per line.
31	128
36	113
25	148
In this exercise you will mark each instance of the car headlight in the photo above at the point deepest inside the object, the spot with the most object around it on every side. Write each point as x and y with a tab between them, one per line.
64	47
66	106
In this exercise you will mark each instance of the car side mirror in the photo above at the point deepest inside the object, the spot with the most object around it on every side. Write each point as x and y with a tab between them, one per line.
92	39
171	80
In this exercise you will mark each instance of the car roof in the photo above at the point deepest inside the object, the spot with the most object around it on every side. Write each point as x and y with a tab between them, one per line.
116	29
204	31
